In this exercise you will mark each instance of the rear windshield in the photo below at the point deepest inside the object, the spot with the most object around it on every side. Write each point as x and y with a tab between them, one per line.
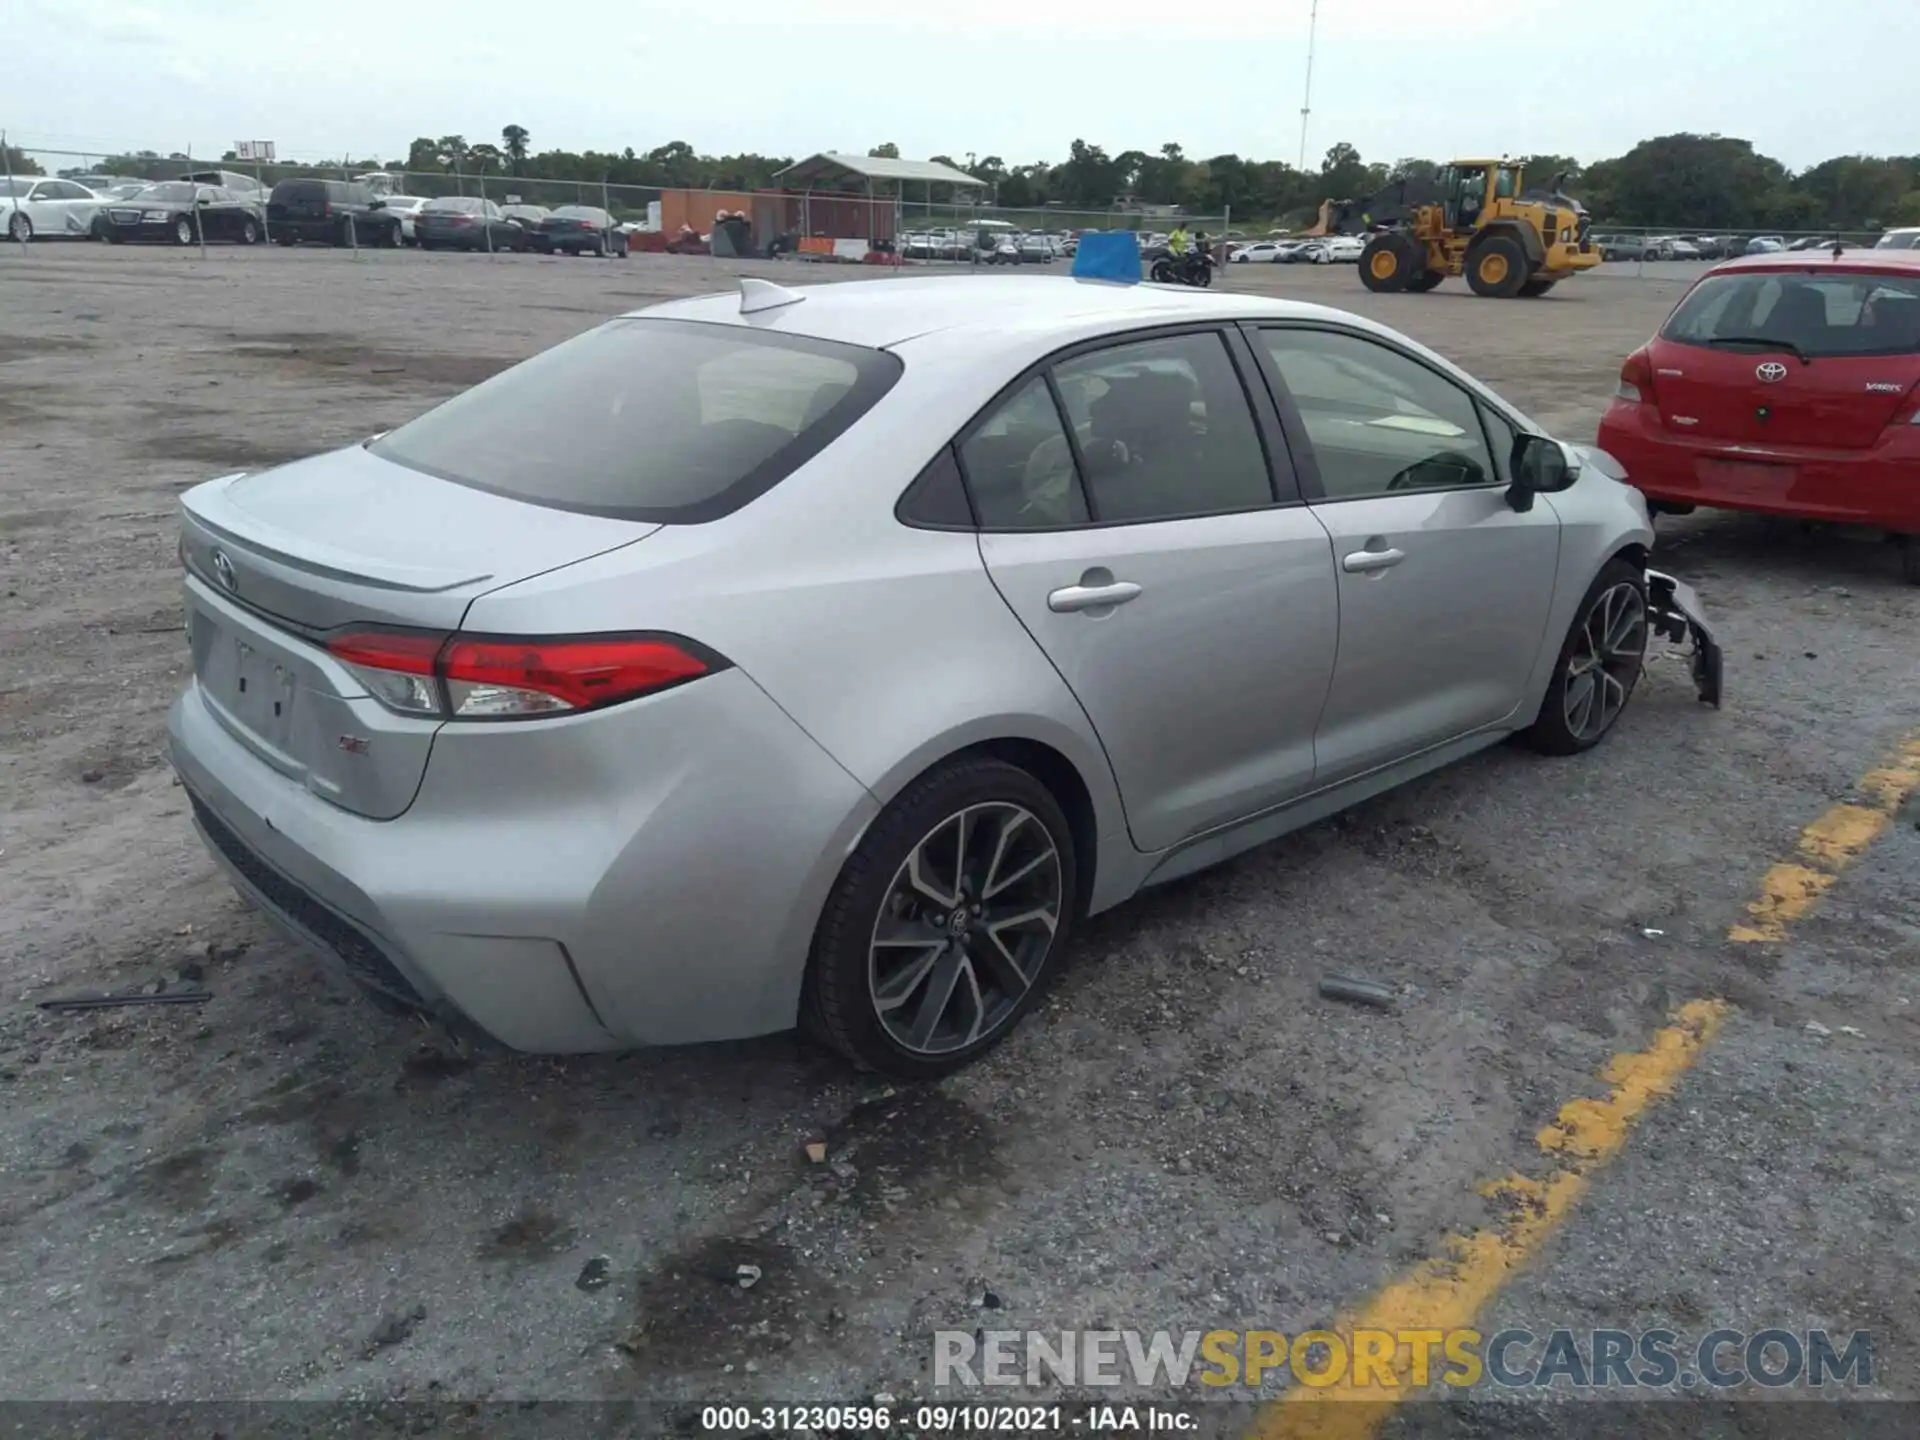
653	420
455	206
579	212
300	190
171	190
1814	313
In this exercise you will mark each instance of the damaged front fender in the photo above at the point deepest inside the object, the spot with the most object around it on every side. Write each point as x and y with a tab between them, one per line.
1675	613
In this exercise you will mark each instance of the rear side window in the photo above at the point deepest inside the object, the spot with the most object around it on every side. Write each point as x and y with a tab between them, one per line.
670	421
1818	314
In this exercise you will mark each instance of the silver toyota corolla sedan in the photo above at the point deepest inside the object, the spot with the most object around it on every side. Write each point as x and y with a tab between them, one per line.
824	655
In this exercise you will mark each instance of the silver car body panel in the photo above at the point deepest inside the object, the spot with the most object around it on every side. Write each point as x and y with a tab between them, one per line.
654	872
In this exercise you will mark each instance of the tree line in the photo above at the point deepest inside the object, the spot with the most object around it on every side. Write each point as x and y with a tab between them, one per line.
1699	182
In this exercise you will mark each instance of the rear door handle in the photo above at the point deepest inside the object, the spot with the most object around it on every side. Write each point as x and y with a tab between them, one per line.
1359	562
1091	597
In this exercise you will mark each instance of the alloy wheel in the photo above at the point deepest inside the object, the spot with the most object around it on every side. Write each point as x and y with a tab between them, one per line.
965	928
1608	651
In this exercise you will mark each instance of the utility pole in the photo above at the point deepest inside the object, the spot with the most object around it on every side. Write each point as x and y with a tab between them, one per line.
1306	98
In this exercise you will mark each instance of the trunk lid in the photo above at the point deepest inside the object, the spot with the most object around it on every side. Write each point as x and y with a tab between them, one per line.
1757	396
1816	352
276	560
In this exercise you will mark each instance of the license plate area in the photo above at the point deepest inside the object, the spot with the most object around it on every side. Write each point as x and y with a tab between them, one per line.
254	688
1745	479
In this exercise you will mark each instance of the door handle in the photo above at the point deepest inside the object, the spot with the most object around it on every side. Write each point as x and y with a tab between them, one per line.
1091	597
1359	562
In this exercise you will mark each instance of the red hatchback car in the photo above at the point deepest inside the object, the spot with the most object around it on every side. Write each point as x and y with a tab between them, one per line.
1787	384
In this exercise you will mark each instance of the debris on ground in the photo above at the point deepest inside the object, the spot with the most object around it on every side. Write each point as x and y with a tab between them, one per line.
396	1326
156	993
817	1151
749	1276
596	1274
1360	992
1814	1027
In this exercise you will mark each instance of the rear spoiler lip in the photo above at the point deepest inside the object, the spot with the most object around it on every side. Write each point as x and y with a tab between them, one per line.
208	507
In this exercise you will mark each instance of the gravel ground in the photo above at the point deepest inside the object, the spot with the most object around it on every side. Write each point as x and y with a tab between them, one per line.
289	1194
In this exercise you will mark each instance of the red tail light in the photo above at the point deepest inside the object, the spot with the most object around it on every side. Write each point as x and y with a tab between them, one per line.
505	677
1636	378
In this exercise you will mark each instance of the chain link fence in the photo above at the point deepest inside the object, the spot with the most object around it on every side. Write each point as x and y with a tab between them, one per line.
911	228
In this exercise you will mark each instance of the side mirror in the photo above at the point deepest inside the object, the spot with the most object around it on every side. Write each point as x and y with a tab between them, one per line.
1540	466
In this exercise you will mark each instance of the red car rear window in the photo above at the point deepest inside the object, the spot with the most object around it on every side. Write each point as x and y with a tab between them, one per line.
1831	313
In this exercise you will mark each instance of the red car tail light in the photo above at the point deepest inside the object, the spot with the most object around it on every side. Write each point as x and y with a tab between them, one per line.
504	677
1636	378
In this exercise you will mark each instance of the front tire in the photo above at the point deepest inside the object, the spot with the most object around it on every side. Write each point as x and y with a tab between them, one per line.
946	924
19	228
1162	273
1425	281
1910	558
1534	289
1600	663
1385	266
183	231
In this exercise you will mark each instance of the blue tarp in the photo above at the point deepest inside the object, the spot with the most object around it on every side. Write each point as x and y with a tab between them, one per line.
1114	255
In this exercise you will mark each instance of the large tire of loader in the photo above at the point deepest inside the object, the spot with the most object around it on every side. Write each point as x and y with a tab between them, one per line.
1387	264
1497	267
1425	281
1534	289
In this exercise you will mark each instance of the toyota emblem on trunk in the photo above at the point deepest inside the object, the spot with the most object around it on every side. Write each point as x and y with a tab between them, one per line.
1772	371
223	570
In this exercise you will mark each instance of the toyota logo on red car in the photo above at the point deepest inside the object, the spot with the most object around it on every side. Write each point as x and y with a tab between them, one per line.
1785	384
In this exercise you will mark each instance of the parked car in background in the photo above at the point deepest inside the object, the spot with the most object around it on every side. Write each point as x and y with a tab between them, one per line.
528	216
1765	245
46	208
466	222
1260	252
330	212
645	747
100	184
999	250
1036	250
1784	386
403	208
179	212
1907	238
241	187
1334	250
577	230
1615	247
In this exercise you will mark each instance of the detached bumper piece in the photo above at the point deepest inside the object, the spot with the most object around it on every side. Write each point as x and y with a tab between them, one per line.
1675	612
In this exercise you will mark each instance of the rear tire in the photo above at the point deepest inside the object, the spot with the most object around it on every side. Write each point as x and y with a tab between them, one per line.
249	232
1425	281
1534	289
1162	272
1910	558
1600	663
1496	267
934	870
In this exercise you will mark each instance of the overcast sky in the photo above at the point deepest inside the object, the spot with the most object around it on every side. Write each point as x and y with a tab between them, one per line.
1020	80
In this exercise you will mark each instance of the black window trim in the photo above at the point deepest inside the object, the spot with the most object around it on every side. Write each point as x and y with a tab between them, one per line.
1293	424
877	372
1276	451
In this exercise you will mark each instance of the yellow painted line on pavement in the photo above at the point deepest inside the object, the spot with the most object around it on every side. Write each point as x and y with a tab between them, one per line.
1827	846
1447	1291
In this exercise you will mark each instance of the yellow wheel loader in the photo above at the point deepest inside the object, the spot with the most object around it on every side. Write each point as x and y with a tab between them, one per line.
1484	224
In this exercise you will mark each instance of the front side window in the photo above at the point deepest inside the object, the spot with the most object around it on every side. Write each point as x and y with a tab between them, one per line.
1379	422
651	420
1165	430
1834	314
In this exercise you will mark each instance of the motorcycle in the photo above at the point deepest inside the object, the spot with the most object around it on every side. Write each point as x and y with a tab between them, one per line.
1193	268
